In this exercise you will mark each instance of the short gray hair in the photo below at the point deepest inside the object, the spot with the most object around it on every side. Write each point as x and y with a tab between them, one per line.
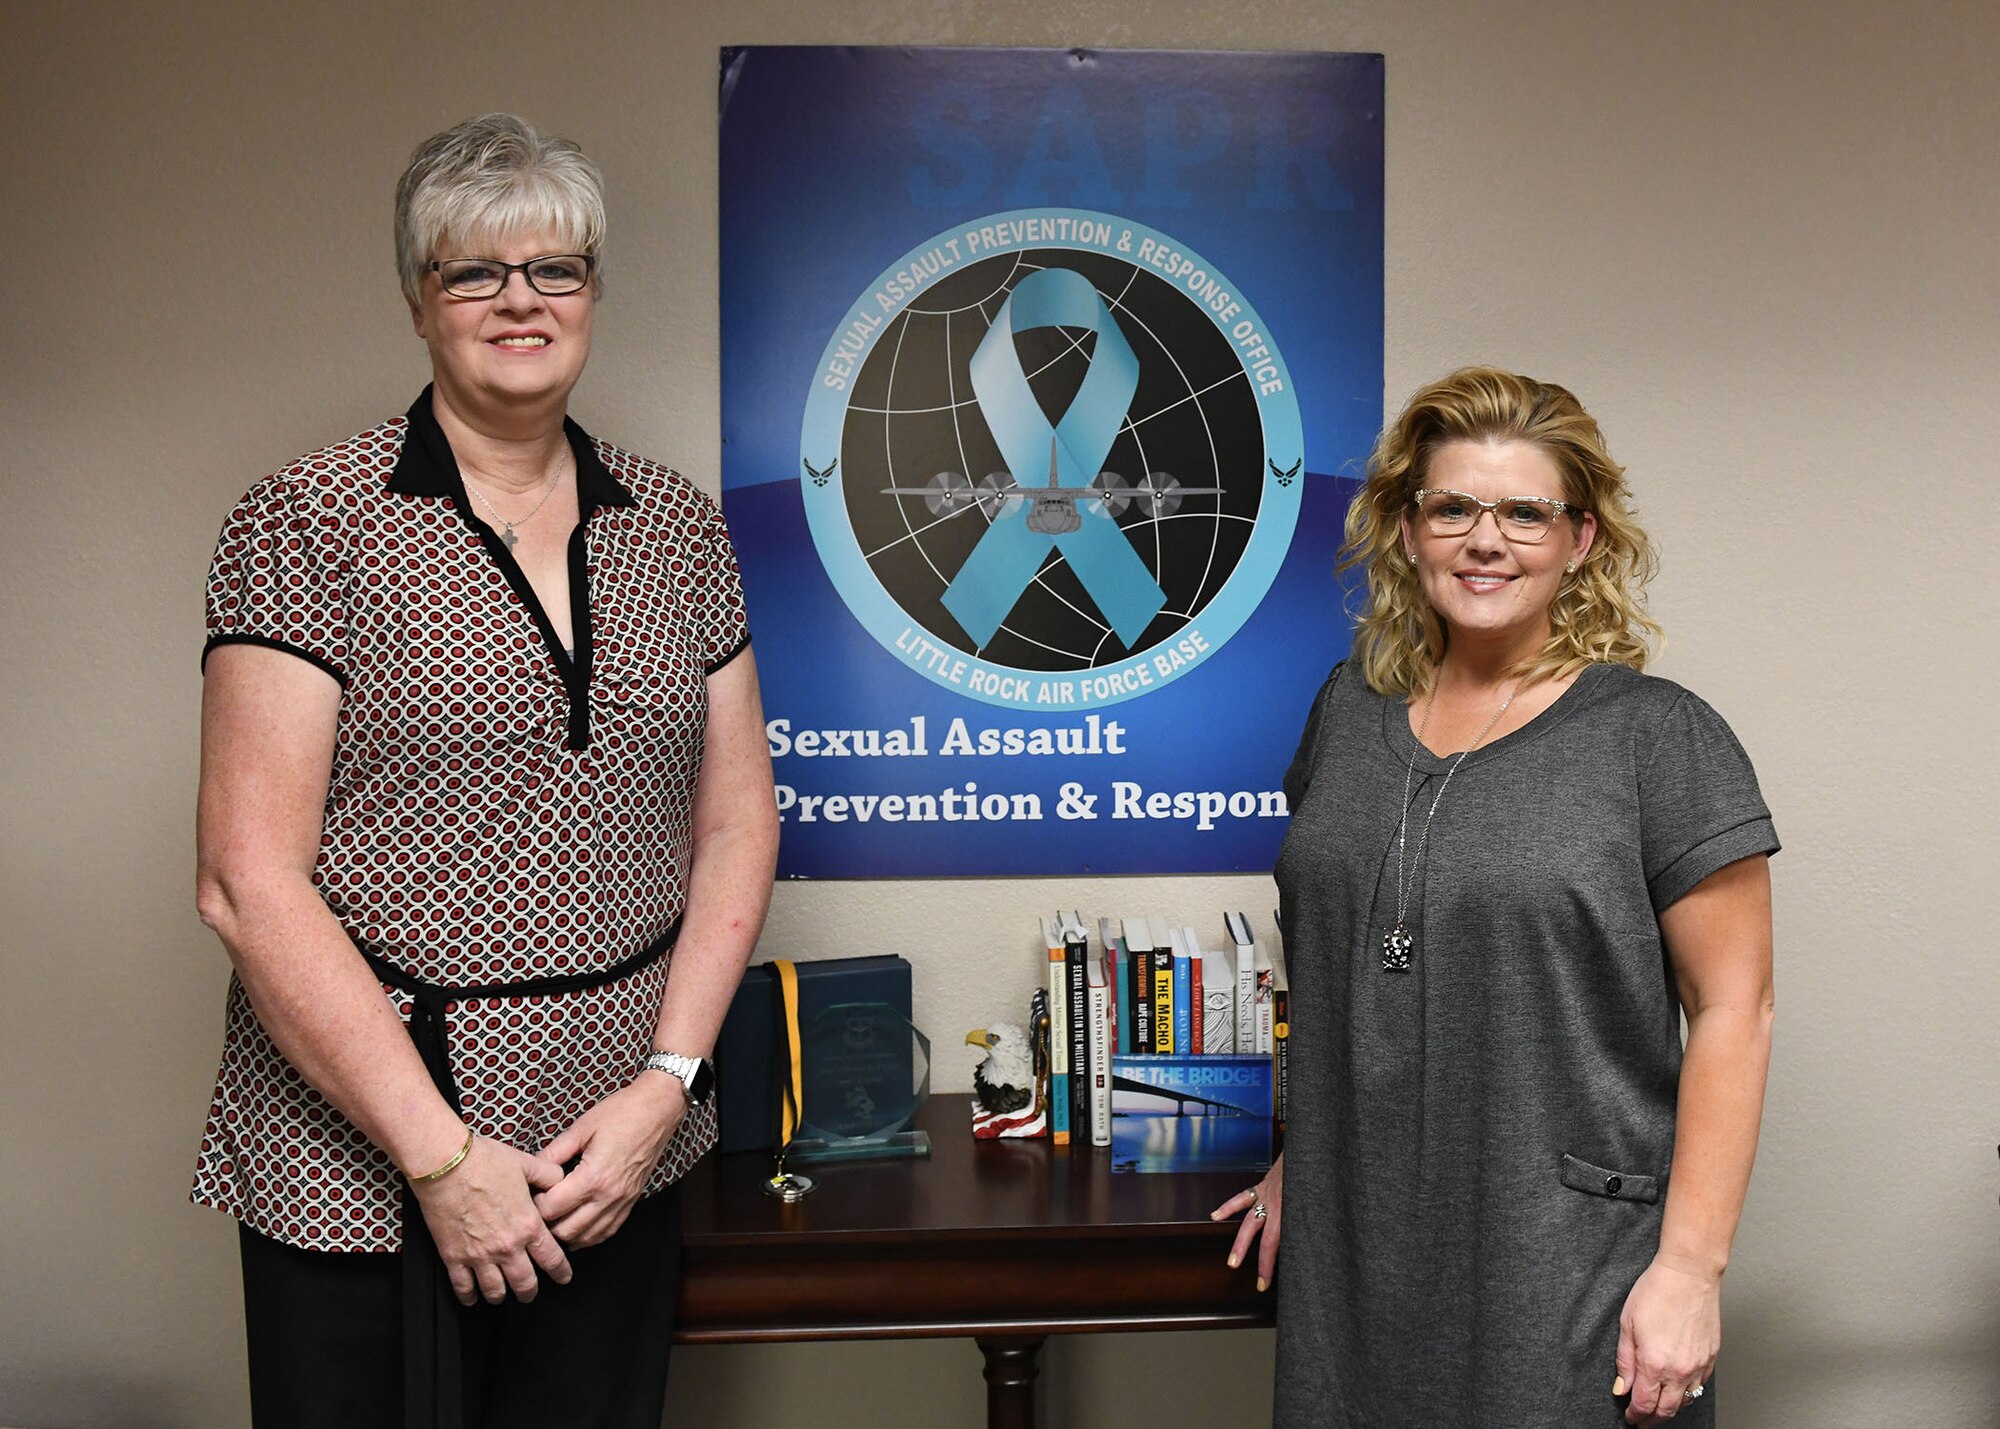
489	178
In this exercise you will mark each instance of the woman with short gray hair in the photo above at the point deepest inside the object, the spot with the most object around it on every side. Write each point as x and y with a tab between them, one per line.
486	826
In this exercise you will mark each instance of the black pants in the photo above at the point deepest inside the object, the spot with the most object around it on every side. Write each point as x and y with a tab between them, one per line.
325	1334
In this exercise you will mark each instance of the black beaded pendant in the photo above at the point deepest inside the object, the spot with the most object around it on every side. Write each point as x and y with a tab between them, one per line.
1396	947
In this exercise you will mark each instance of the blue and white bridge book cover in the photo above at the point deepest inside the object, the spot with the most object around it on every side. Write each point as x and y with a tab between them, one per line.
1206	1113
1046	378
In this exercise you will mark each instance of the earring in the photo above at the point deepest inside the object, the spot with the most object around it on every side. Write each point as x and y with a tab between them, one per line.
1569	567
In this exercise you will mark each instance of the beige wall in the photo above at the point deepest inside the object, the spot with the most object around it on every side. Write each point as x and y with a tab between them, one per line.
1758	239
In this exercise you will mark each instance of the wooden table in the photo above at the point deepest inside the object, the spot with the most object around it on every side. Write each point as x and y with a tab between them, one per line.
1007	1242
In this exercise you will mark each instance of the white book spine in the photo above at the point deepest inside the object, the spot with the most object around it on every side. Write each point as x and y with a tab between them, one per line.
1058	999
1246	981
1100	1057
1218	997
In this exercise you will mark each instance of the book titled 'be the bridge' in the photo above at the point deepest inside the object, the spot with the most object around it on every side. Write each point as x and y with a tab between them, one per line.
1204	1113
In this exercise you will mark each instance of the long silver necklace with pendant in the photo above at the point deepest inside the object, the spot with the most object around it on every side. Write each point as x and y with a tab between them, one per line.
508	535
1397	943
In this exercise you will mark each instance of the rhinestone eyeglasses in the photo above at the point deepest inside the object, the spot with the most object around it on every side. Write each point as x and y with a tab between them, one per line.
1526	519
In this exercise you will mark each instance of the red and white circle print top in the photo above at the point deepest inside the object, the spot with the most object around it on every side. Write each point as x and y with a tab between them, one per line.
499	809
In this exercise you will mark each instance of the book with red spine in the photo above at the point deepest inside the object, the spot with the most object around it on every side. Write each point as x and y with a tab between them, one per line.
1197	1002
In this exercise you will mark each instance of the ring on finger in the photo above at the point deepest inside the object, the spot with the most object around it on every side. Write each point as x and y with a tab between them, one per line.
1260	1210
1694	1392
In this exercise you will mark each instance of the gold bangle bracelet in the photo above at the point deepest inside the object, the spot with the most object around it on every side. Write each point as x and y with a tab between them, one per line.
449	1166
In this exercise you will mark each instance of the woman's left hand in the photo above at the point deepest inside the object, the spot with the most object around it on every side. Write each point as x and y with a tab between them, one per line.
1265	1203
615	1146
1668	1337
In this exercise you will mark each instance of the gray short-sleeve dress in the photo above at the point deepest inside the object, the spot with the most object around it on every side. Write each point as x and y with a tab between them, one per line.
1477	1150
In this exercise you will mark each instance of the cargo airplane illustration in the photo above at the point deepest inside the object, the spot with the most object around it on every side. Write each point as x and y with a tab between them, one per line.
1054	510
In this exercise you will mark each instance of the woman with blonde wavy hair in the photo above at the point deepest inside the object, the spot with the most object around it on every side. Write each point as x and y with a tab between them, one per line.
1515	863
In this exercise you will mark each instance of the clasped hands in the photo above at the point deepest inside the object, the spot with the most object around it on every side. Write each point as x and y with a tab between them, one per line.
503	1214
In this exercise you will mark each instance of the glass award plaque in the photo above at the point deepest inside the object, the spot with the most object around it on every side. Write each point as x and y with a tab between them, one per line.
866	1071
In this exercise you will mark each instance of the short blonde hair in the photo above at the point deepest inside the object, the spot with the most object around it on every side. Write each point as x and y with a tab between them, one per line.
1599	614
489	178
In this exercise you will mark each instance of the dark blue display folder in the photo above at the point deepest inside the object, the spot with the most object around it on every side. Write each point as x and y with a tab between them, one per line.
745	1086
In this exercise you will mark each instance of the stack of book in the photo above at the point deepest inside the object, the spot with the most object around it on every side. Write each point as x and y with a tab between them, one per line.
1148	1027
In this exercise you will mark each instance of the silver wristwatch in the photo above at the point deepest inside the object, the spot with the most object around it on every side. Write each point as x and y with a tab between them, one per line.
694	1073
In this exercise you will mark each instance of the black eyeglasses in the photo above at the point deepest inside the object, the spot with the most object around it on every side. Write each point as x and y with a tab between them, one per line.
1525	519
555	276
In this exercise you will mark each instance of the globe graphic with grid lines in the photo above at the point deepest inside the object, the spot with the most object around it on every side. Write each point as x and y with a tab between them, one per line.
1051	577
923	477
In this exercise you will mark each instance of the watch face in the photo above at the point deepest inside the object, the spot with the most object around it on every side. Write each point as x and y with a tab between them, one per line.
701	1086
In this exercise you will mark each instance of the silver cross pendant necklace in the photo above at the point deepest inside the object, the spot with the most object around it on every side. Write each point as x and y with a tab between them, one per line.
508	535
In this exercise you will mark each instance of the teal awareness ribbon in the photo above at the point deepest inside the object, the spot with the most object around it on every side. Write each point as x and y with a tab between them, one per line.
1004	562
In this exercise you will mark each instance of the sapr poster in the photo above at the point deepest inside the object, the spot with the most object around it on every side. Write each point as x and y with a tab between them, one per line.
1046	377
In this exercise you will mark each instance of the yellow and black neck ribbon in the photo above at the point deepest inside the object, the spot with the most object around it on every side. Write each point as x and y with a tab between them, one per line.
787	1059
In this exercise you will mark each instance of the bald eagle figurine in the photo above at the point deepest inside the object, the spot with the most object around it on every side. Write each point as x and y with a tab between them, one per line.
1007	1095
